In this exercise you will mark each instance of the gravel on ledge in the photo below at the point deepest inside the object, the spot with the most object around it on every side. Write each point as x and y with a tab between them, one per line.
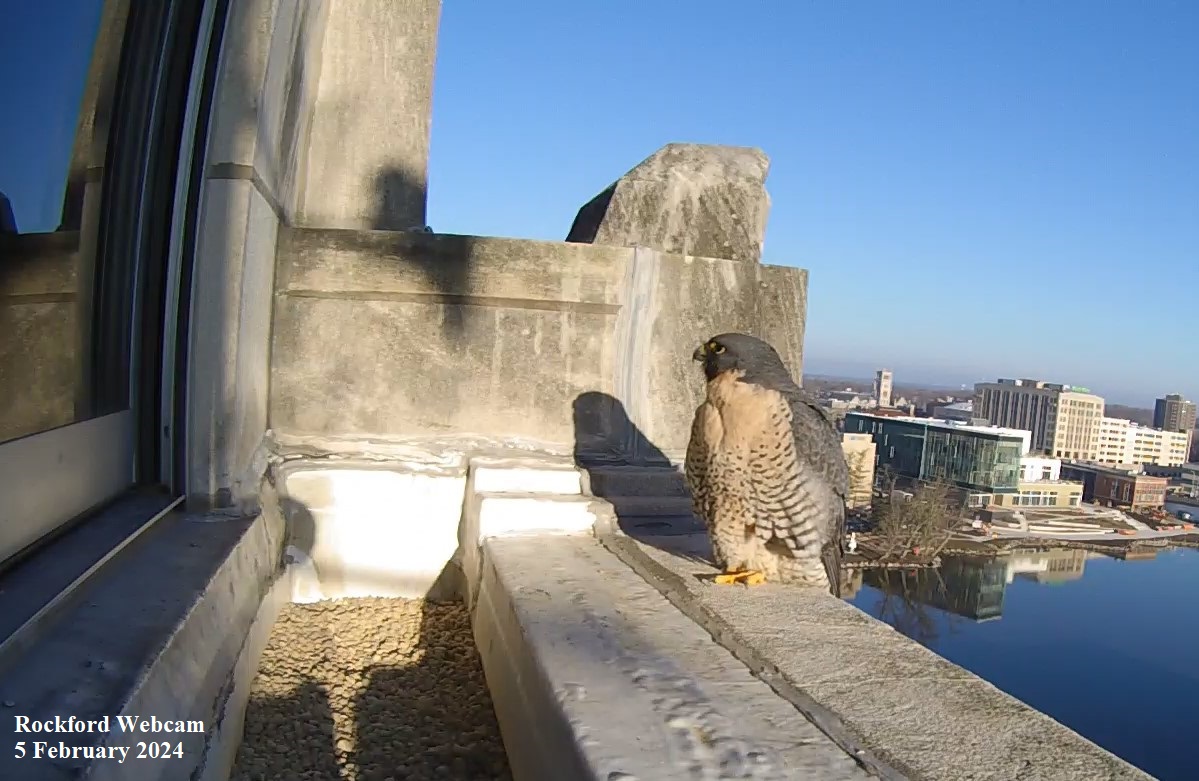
370	690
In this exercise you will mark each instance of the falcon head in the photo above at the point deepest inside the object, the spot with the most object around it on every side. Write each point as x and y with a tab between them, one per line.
756	359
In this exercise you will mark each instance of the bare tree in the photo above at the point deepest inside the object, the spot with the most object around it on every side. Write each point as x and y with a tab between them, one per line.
920	523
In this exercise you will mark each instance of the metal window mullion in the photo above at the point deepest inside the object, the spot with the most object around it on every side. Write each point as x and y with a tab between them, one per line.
144	213
192	150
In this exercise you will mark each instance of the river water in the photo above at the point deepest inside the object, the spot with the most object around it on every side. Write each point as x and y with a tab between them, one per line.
1108	647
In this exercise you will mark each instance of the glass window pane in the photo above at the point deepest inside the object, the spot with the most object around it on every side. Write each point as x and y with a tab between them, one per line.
59	58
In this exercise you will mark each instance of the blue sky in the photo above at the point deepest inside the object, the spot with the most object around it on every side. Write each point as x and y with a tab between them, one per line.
978	189
45	49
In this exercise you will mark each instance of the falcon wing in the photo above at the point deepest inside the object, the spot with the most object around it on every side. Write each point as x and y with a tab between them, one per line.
818	448
695	467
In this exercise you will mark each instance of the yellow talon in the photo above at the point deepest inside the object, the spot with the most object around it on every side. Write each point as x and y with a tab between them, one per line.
747	577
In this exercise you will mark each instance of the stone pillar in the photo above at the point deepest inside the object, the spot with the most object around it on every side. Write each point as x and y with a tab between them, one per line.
262	111
686	199
320	119
368	153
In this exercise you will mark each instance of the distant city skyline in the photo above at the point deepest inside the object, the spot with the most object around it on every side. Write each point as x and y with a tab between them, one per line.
977	189
938	379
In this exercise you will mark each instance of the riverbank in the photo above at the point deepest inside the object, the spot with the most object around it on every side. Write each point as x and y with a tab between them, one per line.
867	555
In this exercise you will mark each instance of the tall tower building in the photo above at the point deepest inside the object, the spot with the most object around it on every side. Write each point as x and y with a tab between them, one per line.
1174	413
1064	419
882	387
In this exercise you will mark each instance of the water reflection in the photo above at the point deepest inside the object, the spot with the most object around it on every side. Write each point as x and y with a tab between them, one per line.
53	142
971	587
1100	641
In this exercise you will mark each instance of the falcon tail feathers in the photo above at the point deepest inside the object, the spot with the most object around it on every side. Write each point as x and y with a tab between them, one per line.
830	554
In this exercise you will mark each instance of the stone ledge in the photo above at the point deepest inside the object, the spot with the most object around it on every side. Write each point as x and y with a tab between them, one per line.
30	588
595	676
918	713
162	632
391	335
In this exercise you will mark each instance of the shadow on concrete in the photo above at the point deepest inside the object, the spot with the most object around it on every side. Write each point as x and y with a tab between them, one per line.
445	262
302	722
432	717
359	689
647	492
604	434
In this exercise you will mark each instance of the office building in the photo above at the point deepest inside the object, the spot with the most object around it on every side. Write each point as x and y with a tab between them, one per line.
1124	442
980	460
1041	485
1174	413
1034	468
1063	419
1117	487
1042	493
882	388
961	410
859	452
1189	480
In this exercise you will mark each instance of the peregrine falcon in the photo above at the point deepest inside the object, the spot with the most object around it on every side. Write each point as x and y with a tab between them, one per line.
766	469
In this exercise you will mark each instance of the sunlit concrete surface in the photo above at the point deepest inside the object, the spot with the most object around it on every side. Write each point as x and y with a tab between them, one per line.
595	676
375	529
923	715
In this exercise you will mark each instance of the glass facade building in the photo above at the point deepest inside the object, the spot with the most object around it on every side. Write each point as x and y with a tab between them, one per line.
971	458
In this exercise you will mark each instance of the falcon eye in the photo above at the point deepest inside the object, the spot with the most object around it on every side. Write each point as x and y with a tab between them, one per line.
715	347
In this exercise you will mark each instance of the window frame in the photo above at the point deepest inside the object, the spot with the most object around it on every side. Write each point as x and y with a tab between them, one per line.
54	480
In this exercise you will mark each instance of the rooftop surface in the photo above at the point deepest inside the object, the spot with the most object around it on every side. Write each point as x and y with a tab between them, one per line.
1124	470
954	425
1041	385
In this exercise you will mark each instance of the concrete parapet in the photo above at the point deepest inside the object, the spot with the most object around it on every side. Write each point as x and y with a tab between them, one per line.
687	199
401	334
918	714
595	676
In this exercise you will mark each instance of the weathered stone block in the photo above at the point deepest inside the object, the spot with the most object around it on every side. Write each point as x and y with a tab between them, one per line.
368	150
687	199
408	334
402	334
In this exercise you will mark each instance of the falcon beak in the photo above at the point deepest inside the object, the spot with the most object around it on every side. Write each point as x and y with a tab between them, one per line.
700	354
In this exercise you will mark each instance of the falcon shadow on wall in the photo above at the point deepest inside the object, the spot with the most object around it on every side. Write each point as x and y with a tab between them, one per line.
648	493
